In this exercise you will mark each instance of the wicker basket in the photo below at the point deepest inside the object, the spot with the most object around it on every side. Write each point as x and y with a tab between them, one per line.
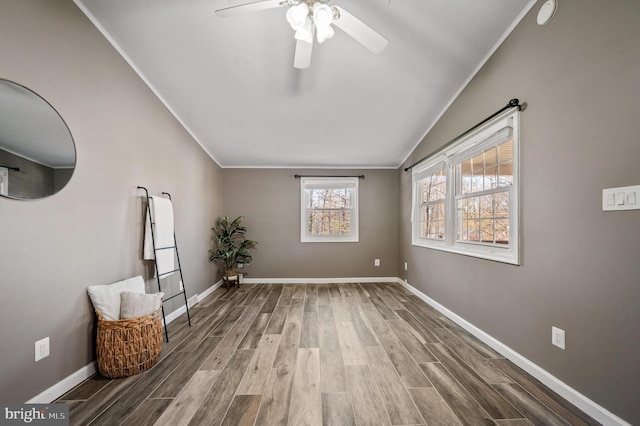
229	277
128	347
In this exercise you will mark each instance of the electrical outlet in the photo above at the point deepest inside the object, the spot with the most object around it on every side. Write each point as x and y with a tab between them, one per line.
406	267
557	337
42	349
376	262
181	286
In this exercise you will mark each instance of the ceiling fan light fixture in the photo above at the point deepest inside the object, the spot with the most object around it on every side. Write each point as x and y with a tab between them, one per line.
324	33
305	33
322	15
297	16
322	18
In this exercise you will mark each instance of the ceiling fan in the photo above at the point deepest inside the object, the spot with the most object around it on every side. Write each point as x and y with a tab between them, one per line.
314	17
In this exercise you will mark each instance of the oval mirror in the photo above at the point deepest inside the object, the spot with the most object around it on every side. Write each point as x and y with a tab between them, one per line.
37	153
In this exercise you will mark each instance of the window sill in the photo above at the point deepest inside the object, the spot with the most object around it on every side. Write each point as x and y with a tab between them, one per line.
488	253
329	240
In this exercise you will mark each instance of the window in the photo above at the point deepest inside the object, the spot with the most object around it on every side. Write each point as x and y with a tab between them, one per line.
329	209
466	197
432	195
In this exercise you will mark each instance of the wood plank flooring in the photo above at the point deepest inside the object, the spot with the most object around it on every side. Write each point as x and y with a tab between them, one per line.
321	354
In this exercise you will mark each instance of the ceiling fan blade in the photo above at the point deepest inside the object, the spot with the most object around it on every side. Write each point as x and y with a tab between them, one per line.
302	58
360	31
248	7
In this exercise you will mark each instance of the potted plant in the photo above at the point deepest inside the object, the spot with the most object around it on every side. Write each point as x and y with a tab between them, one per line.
230	245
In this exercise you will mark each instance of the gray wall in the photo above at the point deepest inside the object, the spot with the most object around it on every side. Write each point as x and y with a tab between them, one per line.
270	201
90	232
580	76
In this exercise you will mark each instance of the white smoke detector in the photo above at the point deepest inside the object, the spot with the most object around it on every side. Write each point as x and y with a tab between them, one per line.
547	10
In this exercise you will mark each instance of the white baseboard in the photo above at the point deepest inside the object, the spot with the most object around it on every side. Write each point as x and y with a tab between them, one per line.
69	382
208	291
65	385
319	280
193	300
596	411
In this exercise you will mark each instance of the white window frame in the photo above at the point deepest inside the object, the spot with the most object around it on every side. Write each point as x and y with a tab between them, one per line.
328	183
425	170
466	147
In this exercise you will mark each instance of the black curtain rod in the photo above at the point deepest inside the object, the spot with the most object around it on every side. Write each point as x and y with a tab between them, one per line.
17	169
513	103
328	176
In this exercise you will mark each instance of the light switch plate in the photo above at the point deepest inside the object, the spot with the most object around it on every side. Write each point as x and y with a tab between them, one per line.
626	198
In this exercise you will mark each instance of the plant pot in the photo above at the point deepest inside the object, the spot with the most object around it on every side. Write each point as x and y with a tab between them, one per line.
230	276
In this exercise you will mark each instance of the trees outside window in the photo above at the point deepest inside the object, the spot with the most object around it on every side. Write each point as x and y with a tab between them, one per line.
329	209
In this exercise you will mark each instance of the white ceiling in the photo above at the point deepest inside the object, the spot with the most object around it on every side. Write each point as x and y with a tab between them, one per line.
231	81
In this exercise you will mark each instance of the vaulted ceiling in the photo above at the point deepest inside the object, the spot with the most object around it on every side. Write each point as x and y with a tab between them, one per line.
231	81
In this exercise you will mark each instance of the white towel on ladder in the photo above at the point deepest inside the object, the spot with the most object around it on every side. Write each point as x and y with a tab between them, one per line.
162	216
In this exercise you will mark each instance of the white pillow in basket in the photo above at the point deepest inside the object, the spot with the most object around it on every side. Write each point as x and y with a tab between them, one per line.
106	298
134	305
